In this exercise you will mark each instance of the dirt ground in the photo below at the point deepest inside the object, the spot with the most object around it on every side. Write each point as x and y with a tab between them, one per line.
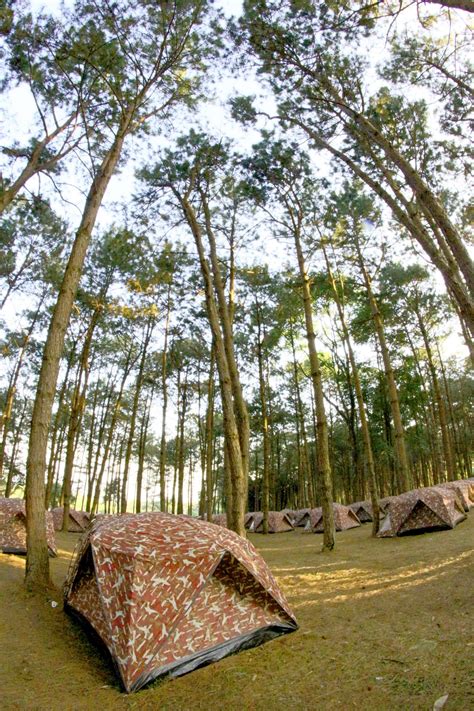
384	624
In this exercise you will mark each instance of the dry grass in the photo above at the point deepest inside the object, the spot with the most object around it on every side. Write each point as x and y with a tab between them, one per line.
384	624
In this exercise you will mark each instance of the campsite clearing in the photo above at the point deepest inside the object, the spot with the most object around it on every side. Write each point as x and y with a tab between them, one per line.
385	624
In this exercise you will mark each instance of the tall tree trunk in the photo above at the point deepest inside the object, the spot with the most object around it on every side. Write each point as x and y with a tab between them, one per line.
210	438
403	469
133	417
364	424
75	419
324	465
177	442
201	432
57	429
111	432
442	416
103	417
429	415
264	420
164	395
37	561
301	441
454	423
181	420
90	446
141	453
233	445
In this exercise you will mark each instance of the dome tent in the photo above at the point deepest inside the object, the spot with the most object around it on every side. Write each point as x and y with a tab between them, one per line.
419	510
278	522
464	489
13	527
300	517
168	594
344	518
78	520
363	510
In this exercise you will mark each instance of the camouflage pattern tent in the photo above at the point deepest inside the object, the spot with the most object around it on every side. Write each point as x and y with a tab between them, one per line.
363	510
251	519
465	488
344	518
221	519
13	527
420	510
385	502
278	522
291	513
78	520
168	594
300	517
461	494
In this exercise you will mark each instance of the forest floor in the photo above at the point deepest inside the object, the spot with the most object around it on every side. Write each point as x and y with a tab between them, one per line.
384	624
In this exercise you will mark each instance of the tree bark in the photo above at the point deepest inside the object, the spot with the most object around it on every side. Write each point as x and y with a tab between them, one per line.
37	562
164	395
77	410
364	424
236	459
133	417
324	465
264	421
403	469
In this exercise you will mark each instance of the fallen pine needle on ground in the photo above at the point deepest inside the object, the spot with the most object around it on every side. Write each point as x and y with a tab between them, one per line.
384	624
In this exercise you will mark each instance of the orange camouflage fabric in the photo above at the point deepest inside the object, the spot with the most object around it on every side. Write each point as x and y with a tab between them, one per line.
344	518
278	522
167	594
13	527
363	510
420	510
78	520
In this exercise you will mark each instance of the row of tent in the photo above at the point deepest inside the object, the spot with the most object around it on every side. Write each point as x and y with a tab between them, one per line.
426	508
288	520
418	510
441	506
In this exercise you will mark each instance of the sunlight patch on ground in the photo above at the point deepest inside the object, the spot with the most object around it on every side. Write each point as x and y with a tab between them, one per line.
13	560
356	583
